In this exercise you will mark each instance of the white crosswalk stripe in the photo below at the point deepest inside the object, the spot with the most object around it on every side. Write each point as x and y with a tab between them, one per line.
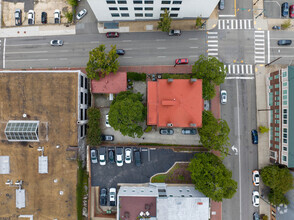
239	69
234	24
259	47
212	44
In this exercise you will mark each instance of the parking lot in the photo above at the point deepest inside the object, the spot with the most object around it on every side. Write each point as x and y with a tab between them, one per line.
272	9
153	161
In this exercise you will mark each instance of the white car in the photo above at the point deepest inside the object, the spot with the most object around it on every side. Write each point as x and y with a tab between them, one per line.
112	197
94	156
128	155
255	177
102	156
255	198
31	17
56	42
81	14
107	121
119	156
223	96
57	16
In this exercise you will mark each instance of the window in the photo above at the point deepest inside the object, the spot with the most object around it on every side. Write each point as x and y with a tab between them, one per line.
285	83
277	103
285	158
148	15
277	92
284	140
270	87
138	15
277	139
277	76
273	154
277	116
82	98
82	131
123	8
86	83
271	99
148	9
148	2
125	15
112	9
284	122
285	91
285	149
271	116
115	14
285	102
285	135
162	9
277	121
277	128
177	2
82	81
173	15
86	115
277	111
284	97
170	195
277	134
110	2
137	2
182	196
285	130
277	146
285	111
82	114
165	2
277	85
86	98
271	133
175	9
122	2
138	9
285	116
270	78
284	74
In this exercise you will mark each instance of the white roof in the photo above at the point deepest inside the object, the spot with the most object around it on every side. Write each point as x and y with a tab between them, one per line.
4	165
43	164
20	198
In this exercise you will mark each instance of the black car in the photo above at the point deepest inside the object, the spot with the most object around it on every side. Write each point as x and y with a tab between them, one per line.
255	216
120	52
17	15
44	18
254	136
166	131
276	27
111	156
284	42
103	197
285	9
107	137
221	5
137	158
189	131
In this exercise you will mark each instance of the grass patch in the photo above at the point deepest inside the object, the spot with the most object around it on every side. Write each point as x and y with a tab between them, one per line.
176	76
82	184
136	76
160	178
94	132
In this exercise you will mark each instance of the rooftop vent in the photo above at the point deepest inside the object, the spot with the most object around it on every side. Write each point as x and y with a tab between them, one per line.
193	80
170	80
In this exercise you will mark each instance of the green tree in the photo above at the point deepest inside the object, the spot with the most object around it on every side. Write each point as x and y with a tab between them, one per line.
277	198
73	2
126	112
211	177
101	63
214	133
165	21
93	131
198	22
211	71
68	16
263	129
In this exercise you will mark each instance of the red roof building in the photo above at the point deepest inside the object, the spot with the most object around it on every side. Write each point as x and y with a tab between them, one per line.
112	83
175	103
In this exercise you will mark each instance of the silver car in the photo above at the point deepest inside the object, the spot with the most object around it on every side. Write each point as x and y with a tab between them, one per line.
224	96
56	42
81	14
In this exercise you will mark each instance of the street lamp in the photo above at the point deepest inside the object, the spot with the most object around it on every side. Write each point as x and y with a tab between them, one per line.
255	2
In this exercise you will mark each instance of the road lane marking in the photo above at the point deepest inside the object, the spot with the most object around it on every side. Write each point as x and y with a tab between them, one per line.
161	48
193	38
127	57
212	41
213	49
161	56
212	54
4	44
43	51
211	32
212	45
29	60
17	45
256	52
212	37
193	47
62	58
239	77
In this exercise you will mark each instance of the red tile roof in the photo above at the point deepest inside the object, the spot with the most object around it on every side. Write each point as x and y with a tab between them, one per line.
178	102
112	83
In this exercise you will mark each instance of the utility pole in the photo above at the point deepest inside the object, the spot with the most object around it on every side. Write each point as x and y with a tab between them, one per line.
273	61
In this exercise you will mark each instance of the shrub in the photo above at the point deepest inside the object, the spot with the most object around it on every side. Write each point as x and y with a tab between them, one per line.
176	76
286	24
148	129
263	129
136	76
198	22
94	132
68	16
73	2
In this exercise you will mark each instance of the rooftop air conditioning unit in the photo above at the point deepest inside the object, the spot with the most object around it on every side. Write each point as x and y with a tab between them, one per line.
169	124
170	80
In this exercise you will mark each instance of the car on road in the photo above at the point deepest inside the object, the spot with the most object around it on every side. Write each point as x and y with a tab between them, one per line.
107	121
56	42
112	34
166	131
103	197
174	33
102	156
31	17
224	97
255	177
181	61
44	18
111	156
276	27
255	198
107	137
221	5
119	156
254	136
137	158
128	155
291	11
81	14
57	16
189	131
17	15
256	216
112	196
285	9
120	52
284	42
94	156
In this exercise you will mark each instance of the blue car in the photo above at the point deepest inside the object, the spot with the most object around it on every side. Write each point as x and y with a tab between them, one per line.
254	136
285	9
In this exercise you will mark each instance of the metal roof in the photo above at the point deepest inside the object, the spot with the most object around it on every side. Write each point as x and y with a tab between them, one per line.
22	131
43	164
4	165
20	198
290	114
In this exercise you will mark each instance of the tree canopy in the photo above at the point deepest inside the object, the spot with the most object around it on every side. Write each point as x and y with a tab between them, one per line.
126	112
101	63
165	21
214	133
211	71
211	177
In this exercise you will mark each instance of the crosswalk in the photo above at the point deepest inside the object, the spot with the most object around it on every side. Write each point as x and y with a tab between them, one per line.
234	24
259	47
212	44
239	69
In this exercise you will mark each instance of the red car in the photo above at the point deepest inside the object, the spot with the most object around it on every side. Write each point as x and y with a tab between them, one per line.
112	34
291	11
182	61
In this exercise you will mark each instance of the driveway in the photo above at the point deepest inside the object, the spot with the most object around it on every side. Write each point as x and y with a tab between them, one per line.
153	161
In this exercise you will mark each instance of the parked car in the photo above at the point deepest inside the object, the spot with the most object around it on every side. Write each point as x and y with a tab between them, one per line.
107	137
112	34
189	131
256	216
221	5
111	156
57	16
166	131
102	156
103	197
56	42
285	9
276	27
291	11
223	96
107	121
81	14
175	33
181	61
254	136
120	52
255	198
17	15
284	42
137	158
119	156
128	155
31	17
44	18
112	196
94	156
255	177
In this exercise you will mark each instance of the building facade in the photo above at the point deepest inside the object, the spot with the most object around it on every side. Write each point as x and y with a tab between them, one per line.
281	102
